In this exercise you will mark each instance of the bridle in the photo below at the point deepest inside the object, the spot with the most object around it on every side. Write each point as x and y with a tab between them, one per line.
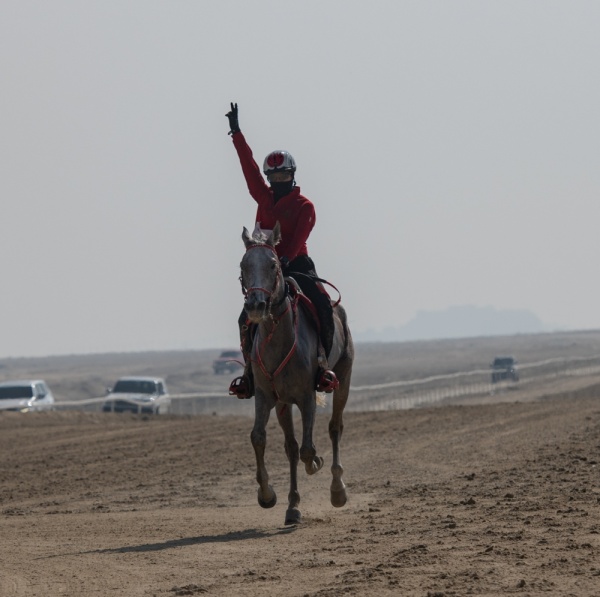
278	277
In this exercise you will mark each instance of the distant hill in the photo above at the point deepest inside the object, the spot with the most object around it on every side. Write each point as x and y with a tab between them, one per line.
459	322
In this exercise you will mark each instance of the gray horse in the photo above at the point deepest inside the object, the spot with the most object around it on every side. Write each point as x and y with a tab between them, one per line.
285	367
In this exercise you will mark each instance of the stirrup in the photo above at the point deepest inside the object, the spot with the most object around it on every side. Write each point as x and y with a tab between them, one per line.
327	381
241	387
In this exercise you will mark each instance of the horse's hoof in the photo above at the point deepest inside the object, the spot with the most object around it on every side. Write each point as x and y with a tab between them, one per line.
315	466
267	503
338	496
293	516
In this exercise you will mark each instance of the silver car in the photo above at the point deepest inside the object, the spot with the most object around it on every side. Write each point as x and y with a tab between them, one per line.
138	395
26	395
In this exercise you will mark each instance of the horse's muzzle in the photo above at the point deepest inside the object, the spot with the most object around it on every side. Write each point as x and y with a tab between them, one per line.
257	308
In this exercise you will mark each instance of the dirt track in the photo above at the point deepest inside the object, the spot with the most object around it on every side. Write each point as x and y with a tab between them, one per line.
490	499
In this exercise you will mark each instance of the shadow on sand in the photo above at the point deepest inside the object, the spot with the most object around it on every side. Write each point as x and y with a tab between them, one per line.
187	541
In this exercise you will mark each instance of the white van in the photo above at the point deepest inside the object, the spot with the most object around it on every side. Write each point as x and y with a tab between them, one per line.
26	395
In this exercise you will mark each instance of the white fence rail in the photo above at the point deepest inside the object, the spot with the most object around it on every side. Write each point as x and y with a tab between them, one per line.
424	391
393	395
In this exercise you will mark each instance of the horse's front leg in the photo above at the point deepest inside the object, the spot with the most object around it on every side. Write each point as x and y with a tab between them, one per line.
266	495
285	418
308	452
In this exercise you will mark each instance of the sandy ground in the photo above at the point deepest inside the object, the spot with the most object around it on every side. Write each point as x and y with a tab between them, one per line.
472	499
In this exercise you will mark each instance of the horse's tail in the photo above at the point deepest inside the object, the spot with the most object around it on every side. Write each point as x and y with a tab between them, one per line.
341	313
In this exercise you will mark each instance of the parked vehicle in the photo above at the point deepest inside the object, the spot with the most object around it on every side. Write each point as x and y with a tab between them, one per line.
504	368
228	361
138	395
26	395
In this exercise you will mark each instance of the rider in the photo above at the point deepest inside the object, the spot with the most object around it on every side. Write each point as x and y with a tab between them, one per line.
280	200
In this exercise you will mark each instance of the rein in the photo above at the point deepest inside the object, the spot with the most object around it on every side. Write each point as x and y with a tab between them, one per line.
293	305
322	281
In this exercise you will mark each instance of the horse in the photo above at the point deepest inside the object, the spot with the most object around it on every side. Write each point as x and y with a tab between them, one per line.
285	365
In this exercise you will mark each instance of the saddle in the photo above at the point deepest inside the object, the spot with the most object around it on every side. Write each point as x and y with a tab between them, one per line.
294	290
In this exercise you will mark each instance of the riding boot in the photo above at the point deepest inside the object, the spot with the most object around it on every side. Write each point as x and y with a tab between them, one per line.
327	380
243	386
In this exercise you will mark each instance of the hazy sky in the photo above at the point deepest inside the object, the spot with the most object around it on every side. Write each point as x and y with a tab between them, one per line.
451	149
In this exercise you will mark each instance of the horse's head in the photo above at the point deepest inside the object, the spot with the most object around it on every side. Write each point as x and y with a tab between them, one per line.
262	279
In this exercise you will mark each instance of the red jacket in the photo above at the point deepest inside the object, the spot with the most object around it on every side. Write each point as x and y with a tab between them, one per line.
295	213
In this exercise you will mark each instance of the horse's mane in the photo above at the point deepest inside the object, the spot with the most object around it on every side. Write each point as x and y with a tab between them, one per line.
260	236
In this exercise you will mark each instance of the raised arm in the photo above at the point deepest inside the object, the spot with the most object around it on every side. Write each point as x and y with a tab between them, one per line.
257	186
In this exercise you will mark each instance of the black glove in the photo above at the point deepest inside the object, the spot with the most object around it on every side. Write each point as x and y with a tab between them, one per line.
285	264
234	125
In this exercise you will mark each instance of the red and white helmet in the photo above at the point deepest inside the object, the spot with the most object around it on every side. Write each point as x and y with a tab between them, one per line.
279	161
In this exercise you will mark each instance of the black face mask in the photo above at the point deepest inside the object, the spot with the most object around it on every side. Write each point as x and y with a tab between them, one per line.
281	189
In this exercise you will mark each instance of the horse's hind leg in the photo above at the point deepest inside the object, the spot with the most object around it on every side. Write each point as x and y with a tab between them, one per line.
285	418
336	427
266	495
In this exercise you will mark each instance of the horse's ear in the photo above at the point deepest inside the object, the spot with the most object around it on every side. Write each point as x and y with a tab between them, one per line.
275	236
246	237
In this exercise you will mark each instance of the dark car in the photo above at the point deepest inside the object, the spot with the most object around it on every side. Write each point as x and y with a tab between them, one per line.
504	368
228	361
